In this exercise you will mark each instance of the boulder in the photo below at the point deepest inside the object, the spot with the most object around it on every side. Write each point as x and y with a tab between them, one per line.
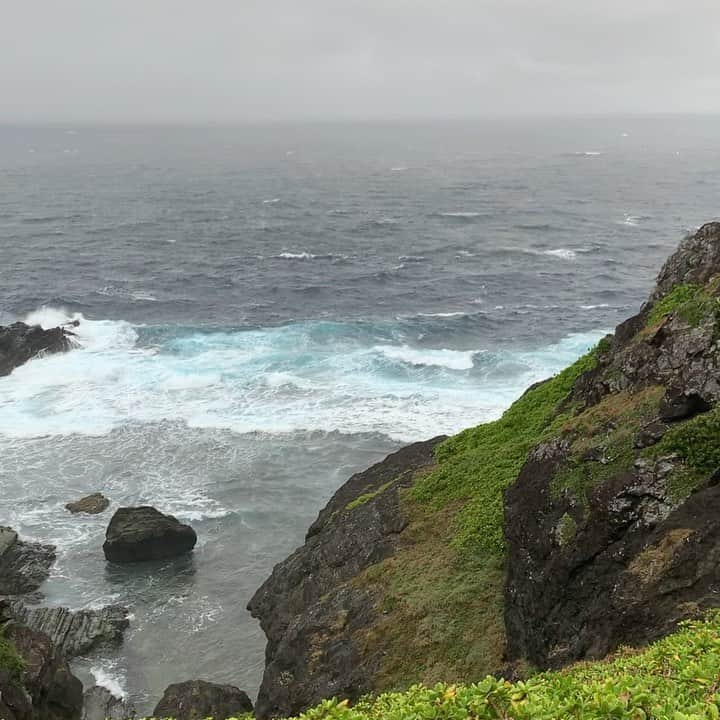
24	566
197	699
144	533
20	342
91	505
100	704
55	692
74	633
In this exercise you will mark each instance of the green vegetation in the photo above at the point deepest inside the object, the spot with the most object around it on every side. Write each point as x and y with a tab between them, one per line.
696	441
677	678
602	440
566	529
368	496
10	661
479	463
692	303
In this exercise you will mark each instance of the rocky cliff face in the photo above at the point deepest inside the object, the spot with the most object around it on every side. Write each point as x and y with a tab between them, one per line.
612	526
587	517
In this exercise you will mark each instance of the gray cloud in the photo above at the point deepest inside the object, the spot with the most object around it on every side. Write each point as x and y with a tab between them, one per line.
244	60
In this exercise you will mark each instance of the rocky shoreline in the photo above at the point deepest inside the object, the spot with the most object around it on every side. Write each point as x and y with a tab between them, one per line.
583	520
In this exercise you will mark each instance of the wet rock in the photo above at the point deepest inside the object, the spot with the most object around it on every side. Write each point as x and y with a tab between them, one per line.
100	704
197	699
24	566
74	633
309	609
91	505
20	342
144	533
55	692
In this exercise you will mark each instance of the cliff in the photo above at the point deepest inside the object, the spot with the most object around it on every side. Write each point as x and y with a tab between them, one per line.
585	518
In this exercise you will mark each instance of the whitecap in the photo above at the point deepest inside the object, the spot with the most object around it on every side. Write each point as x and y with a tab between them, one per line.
594	307
412	258
296	256
589	153
451	359
272	201
399	168
563	253
460	214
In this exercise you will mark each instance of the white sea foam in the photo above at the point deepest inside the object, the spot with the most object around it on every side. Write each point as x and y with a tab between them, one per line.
563	253
594	307
271	201
296	256
461	214
109	679
589	153
307	376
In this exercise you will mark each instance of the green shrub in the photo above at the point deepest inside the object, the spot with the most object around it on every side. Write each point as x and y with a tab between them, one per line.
692	303
675	679
10	661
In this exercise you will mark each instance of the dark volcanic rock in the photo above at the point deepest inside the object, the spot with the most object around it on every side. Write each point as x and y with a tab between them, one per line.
144	533
55	692
625	560
20	342
24	566
15	703
74	633
91	505
197	699
309	609
100	704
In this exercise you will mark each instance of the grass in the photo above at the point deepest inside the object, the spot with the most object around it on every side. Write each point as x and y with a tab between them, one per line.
10	661
677	678
478	464
368	496
692	303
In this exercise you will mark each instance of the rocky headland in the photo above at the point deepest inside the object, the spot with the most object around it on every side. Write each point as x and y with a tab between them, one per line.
20	342
584	519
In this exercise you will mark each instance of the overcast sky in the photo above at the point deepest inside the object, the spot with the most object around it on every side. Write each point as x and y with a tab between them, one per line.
229	61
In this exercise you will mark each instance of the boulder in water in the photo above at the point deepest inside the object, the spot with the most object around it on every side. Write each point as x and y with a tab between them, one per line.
197	699
24	566
20	342
144	533
91	505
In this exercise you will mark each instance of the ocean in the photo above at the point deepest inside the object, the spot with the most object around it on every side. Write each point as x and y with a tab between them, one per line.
266	310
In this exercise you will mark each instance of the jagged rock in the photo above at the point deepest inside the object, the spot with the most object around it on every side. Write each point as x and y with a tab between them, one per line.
309	609
100	704
15	703
197	699
20	342
680	404
74	633
55	692
24	566
144	533
650	435
643	556
91	505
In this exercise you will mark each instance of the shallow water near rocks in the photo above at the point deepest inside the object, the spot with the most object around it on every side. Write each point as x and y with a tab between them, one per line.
266	311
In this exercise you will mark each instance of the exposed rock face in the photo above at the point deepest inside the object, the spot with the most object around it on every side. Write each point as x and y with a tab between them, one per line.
73	633
91	505
309	609
20	342
144	533
197	699
625	556
55	692
24	566
15	703
100	704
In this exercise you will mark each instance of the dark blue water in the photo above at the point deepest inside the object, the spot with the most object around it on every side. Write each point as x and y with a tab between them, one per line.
267	310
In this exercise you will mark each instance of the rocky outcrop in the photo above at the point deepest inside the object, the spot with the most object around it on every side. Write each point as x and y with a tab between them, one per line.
74	633
24	566
309	608
100	704
20	342
197	699
91	505
612	528
15	703
144	533
55	693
